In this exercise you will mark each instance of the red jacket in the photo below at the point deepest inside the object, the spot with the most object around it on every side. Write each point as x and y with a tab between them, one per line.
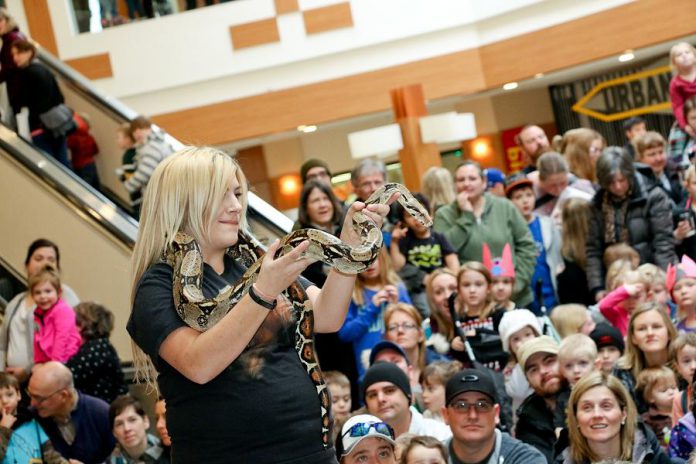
83	148
680	90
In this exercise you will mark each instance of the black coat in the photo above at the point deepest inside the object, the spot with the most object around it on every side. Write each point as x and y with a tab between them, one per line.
535	426
39	92
649	223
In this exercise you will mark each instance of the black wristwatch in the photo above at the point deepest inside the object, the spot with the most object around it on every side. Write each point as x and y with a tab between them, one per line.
269	305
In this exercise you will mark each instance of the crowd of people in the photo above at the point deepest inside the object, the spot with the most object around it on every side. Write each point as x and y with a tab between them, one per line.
549	316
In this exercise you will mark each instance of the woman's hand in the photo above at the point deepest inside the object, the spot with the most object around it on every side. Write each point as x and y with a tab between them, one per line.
376	212
464	202
392	293
682	230
380	297
277	274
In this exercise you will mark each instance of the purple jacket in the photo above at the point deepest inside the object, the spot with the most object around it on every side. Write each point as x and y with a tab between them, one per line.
683	438
56	337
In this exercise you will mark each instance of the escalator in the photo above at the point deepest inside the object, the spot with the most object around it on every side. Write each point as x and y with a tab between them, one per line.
94	230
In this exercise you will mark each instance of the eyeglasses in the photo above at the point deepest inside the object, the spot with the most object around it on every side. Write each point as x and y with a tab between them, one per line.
361	429
40	399
403	326
481	406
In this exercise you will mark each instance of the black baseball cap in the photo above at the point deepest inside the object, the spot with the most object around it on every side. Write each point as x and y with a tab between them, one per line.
468	380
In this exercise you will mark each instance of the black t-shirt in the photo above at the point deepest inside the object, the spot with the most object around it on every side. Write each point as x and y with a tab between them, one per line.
271	416
425	253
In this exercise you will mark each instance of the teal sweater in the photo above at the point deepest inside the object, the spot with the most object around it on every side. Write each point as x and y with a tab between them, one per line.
499	224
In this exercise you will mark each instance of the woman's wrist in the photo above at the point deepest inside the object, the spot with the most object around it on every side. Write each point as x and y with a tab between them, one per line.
263	294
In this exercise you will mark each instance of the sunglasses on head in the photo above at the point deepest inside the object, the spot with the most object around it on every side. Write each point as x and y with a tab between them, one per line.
361	429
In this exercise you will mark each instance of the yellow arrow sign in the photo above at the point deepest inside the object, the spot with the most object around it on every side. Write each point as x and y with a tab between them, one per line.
580	106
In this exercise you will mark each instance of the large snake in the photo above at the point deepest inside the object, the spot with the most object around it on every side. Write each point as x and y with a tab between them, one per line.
200	313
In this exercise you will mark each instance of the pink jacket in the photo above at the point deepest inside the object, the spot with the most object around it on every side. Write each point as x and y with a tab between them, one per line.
680	90
56	337
615	314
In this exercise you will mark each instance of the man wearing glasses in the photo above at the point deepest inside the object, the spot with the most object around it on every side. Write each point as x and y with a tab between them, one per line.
472	411
77	424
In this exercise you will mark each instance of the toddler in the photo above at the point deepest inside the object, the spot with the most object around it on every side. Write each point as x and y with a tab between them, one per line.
516	327
433	380
571	319
682	352
683	437
56	337
502	277
577	355
339	389
658	388
681	283
610	346
628	292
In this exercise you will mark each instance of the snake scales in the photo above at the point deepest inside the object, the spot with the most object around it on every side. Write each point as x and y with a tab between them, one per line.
200	313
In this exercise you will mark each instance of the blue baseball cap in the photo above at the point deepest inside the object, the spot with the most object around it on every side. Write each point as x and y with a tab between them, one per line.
494	176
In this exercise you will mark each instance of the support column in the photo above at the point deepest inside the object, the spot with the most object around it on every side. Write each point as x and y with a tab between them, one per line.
416	157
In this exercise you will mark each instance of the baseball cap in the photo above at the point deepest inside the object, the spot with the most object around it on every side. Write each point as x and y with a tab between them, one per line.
359	427
468	380
515	181
387	345
542	344
494	176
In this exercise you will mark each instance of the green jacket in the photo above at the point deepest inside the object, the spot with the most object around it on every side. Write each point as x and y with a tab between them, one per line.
500	223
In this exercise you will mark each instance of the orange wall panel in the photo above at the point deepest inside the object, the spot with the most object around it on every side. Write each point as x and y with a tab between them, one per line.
40	24
286	6
255	33
328	18
93	66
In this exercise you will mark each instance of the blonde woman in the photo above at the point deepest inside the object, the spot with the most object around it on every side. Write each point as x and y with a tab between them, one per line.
581	148
600	399
241	365
650	332
438	187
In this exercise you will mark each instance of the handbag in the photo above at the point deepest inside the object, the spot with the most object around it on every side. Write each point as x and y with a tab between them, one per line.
58	120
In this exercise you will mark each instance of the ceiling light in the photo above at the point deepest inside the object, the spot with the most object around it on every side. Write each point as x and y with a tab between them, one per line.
626	56
538	75
510	86
306	129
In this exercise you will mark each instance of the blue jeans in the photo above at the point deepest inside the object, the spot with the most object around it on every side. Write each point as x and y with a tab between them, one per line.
56	147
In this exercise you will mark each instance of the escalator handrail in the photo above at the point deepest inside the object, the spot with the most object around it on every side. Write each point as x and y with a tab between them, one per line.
71	187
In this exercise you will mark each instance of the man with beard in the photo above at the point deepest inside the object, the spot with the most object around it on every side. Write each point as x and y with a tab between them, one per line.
535	426
534	143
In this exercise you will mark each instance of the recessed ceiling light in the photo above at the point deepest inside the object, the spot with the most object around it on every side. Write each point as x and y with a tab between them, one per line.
306	129
538	75
510	86
626	56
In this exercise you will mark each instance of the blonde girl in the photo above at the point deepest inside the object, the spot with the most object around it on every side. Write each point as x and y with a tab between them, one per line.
438	187
439	286
375	288
581	147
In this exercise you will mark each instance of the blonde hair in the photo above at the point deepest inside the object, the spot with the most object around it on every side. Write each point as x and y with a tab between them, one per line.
673	54
336	378
387	276
575	146
650	139
46	274
568	318
633	358
616	270
575	219
444	324
439	372
413	313
651	378
628	278
489	304
618	251
652	275
437	185
576	346
184	193
580	450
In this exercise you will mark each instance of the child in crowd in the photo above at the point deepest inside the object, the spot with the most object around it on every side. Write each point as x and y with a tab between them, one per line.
341	402
56	337
21	437
441	284
417	250
682	352
619	251
83	148
126	142
577	356
682	440
681	88
615	269
520	190
658	388
610	346
375	288
572	318
502	277
433	380
424	449
656	279
629	290
681	283
516	327
479	319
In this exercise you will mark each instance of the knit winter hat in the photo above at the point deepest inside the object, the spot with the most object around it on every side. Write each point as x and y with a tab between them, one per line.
386	372
312	163
515	320
607	335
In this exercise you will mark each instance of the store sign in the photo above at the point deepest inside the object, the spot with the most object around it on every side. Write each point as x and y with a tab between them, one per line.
631	95
514	158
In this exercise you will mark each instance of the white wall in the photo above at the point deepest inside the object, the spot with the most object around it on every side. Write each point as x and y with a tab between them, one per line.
186	60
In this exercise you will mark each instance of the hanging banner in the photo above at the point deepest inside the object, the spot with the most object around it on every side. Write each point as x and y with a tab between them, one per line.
514	158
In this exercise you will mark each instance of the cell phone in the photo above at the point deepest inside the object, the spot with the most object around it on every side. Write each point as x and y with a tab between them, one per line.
685	216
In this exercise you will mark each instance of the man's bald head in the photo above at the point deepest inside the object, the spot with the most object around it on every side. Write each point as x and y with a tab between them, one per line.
51	389
52	374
